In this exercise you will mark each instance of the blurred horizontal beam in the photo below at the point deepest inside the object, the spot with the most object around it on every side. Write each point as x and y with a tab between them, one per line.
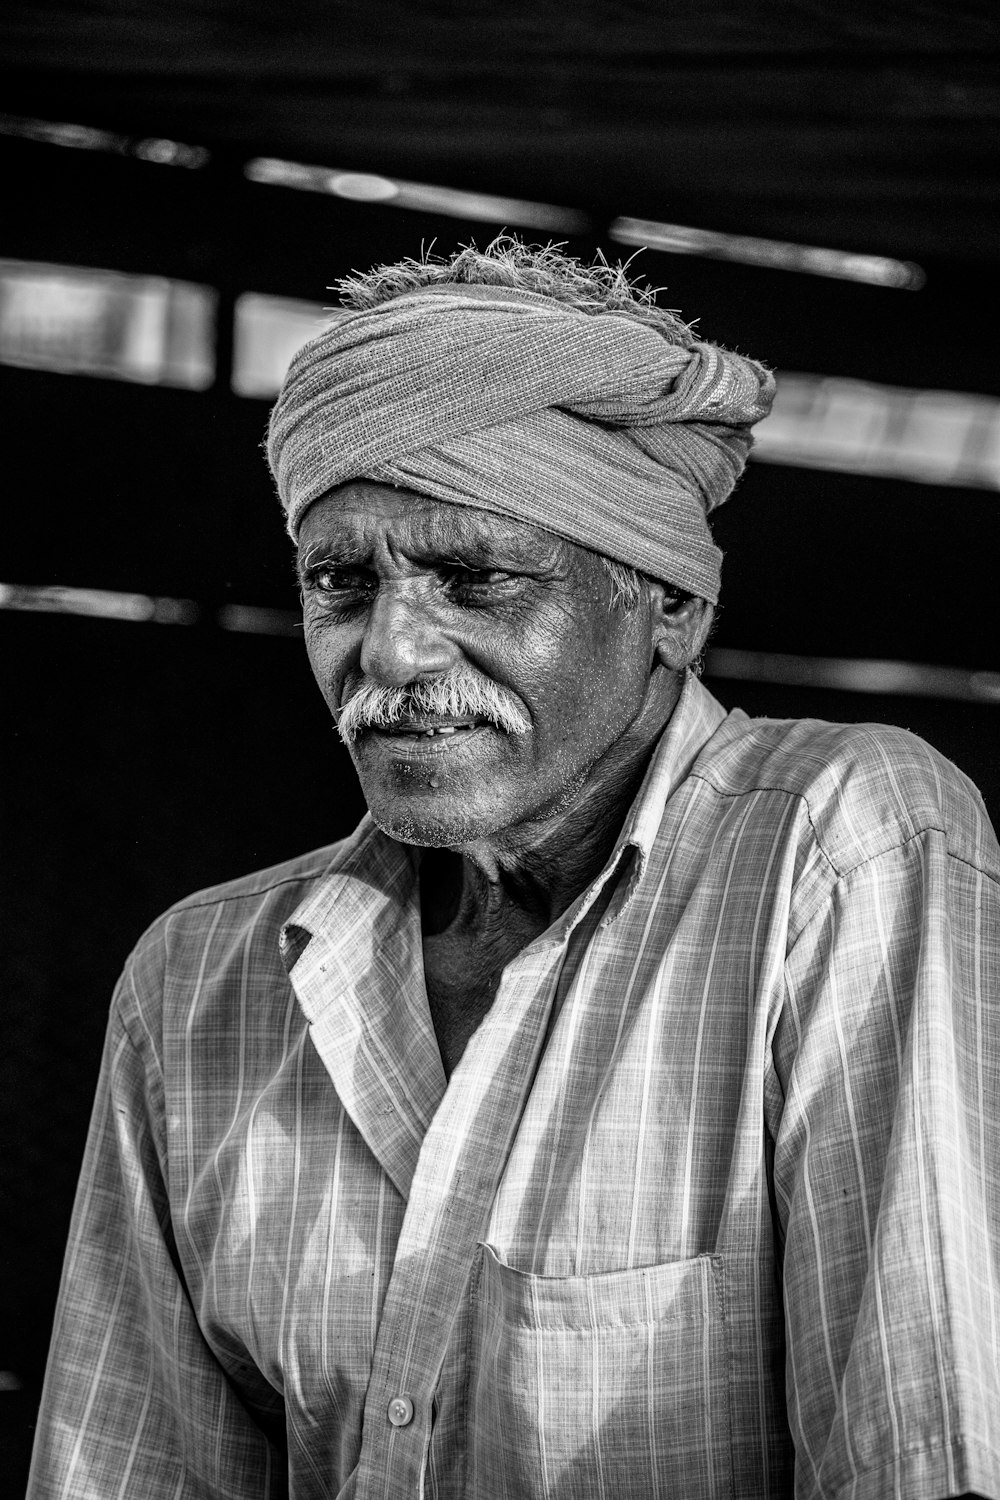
862	427
453	203
854	675
83	320
98	604
157	149
778	255
846	674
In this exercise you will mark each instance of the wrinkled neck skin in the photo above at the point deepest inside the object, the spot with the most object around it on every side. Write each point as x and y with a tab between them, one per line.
503	891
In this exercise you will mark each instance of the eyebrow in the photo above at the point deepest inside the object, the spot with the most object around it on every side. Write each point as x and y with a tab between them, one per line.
347	553
465	545
478	539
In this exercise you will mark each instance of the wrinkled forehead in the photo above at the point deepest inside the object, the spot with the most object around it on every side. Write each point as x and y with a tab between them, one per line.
354	520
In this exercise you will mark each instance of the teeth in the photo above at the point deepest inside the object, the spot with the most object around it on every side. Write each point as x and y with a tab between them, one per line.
426	734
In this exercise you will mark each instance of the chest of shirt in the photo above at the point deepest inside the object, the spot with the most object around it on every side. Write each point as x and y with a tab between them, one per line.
638	1130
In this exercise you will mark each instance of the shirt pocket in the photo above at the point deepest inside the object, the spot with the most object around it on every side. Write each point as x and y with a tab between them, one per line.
614	1384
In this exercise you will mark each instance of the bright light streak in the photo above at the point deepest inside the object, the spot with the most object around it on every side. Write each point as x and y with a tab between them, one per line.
854	675
680	239
82	320
86	138
267	332
363	187
166	153
366	187
861	427
61	133
100	604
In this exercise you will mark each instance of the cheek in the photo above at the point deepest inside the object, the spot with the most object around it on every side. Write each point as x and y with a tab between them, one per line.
327	663
596	678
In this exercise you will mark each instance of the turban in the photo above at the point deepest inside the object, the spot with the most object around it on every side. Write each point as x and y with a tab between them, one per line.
596	425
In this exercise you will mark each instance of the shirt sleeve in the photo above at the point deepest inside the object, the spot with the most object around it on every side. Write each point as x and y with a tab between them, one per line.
887	1181
135	1406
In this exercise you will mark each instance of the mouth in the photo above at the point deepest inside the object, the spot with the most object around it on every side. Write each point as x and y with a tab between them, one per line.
419	731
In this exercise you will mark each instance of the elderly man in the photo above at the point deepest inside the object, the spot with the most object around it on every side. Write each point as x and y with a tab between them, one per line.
615	1111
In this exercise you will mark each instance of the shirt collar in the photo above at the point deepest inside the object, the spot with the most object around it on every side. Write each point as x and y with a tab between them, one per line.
369	875
695	719
372	872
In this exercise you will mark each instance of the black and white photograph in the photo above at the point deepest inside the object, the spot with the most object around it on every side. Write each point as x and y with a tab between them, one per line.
500	750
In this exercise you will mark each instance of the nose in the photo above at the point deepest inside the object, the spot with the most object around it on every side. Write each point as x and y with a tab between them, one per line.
402	643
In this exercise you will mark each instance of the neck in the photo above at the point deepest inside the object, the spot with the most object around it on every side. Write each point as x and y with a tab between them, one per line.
521	880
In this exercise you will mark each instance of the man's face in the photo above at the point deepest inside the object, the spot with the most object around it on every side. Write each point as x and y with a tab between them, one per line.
399	590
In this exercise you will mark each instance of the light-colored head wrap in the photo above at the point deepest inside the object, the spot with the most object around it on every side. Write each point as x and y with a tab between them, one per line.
598	425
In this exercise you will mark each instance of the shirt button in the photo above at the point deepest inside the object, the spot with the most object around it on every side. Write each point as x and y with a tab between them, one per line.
400	1411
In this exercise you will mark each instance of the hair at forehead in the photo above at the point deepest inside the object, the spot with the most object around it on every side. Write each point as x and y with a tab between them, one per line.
507	261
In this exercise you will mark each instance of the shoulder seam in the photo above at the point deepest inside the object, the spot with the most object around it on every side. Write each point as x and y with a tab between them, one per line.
917	833
785	792
991	875
190	903
878	854
820	904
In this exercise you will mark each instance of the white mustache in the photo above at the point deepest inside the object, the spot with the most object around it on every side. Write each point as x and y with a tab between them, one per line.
458	694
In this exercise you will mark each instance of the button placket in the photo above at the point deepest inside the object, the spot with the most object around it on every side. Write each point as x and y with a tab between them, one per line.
438	1241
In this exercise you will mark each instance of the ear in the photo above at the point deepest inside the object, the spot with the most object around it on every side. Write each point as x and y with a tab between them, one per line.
679	627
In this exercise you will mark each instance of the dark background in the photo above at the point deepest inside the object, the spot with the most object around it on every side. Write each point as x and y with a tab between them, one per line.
142	761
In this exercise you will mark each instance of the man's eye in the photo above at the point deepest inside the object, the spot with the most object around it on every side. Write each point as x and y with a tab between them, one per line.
330	580
477	585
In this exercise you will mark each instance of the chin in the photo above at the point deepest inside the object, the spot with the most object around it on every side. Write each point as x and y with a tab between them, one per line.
430	833
434	827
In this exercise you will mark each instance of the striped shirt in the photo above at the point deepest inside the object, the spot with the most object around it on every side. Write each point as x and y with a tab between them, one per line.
710	1207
